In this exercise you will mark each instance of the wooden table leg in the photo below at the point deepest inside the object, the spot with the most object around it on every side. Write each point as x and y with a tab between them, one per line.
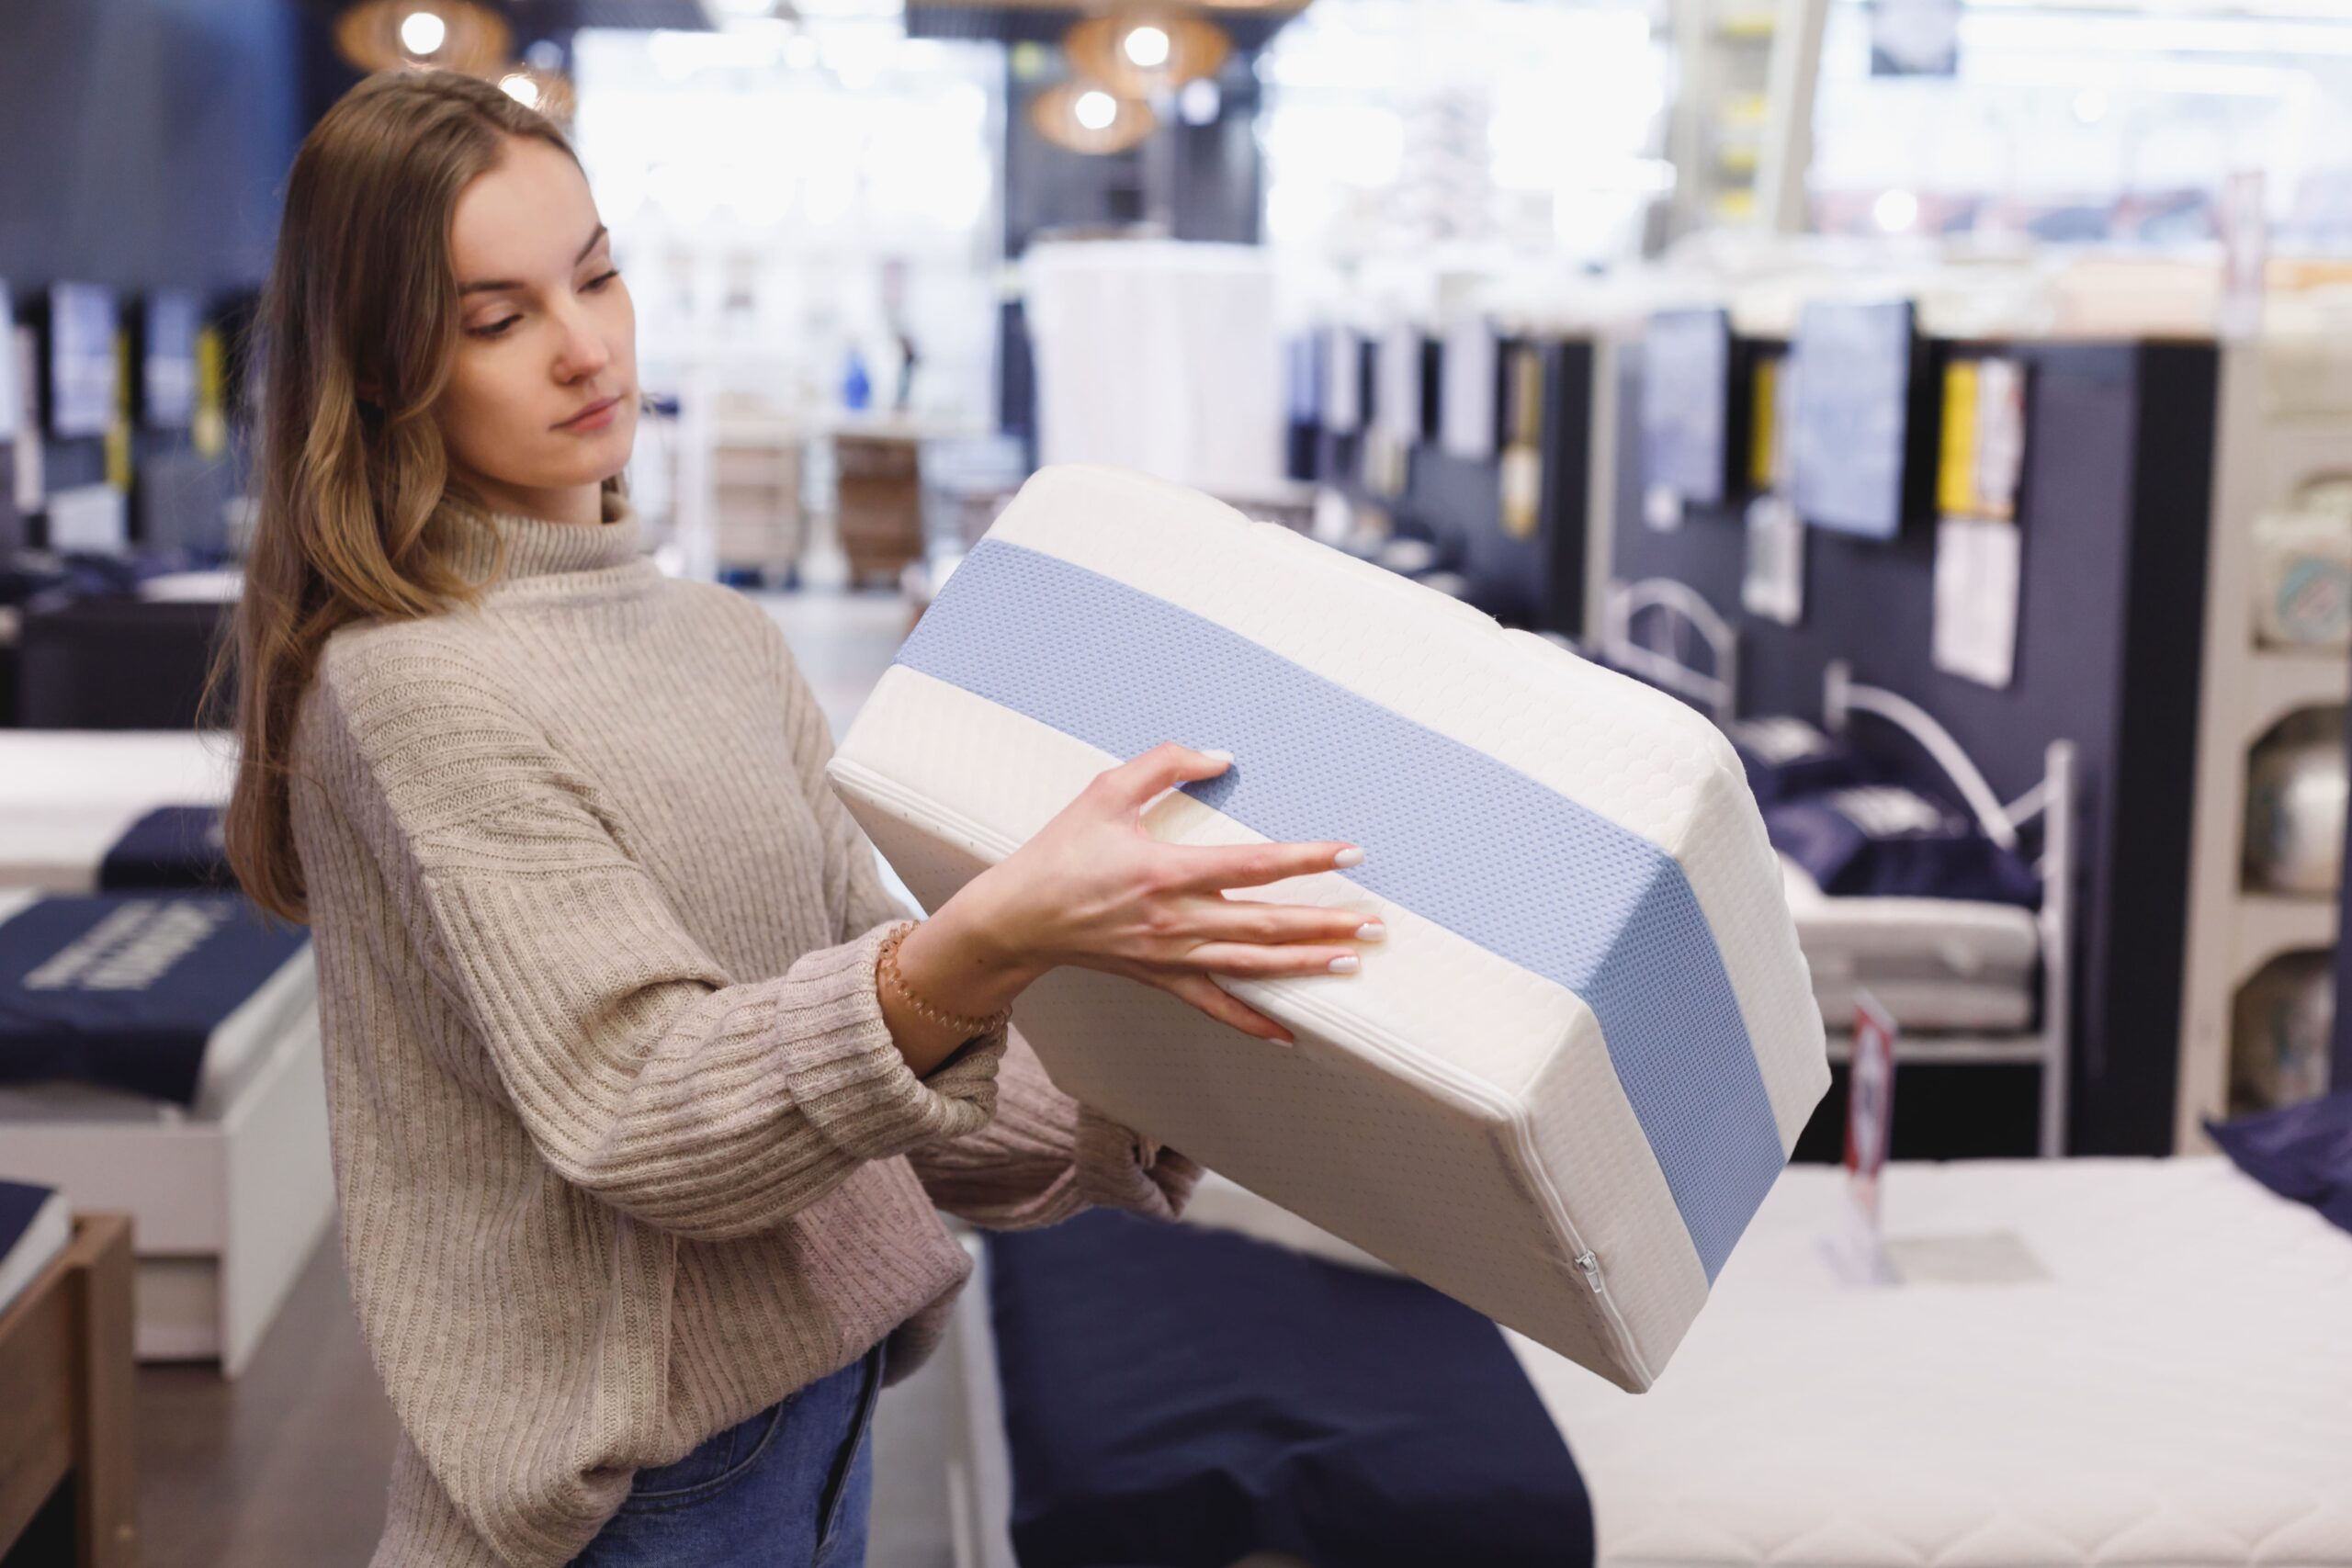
105	1495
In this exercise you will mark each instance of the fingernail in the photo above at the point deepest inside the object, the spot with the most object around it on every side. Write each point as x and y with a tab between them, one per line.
1285	1039
1219	756
1346	964
1350	856
1372	930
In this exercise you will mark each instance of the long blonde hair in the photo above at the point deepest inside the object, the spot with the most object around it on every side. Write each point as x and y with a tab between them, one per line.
359	325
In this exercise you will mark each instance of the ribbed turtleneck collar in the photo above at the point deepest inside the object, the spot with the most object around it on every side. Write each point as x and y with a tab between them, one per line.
539	547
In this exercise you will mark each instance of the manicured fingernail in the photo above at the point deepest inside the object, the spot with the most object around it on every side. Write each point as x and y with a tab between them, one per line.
1285	1040
1346	964
1372	930
1219	756
1350	856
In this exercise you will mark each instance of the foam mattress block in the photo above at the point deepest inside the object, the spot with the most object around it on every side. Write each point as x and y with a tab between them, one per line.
1563	1086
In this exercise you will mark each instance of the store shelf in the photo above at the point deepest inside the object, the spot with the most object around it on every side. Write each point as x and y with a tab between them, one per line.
2279	682
2271	923
2262	455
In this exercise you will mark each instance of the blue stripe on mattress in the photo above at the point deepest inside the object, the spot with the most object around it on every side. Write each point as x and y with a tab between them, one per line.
1182	1397
1449	832
125	990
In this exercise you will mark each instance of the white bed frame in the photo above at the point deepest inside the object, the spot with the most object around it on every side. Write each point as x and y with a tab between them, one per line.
225	1211
2053	800
1715	690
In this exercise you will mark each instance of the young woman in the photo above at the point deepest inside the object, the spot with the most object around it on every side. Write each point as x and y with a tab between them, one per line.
644	1094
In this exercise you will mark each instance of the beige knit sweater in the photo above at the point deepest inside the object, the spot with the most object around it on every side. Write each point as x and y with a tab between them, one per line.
624	1150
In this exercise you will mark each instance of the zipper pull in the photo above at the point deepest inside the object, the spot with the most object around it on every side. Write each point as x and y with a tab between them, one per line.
1591	1268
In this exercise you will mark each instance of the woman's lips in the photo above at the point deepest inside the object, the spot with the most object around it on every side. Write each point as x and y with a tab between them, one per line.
595	416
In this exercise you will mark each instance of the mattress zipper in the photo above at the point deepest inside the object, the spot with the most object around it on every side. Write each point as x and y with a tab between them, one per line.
1476	1091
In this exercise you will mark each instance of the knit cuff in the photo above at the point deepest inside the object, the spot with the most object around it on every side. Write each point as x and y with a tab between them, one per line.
1118	1168
856	1088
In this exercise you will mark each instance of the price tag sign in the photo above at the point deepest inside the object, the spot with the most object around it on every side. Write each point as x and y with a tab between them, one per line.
1861	1253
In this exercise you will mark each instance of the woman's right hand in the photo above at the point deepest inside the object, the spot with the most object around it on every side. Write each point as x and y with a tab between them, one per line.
1094	889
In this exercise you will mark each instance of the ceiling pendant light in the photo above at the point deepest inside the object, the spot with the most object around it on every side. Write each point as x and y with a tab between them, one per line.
1136	50
460	34
1087	116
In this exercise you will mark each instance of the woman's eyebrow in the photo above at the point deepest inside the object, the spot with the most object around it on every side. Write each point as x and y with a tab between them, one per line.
492	285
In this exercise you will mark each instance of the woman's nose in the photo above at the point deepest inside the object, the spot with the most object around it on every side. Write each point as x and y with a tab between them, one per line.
584	352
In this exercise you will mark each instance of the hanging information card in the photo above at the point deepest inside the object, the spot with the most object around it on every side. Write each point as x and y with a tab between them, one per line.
1979	550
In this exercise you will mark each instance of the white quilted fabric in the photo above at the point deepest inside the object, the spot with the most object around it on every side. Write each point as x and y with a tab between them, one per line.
1451	1112
2178	1393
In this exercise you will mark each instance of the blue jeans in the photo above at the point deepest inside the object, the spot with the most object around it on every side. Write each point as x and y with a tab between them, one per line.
790	1488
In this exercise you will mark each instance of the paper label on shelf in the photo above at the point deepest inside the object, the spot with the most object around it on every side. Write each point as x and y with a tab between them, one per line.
1522	490
1662	508
1468	379
1773	586
1977	561
1956	462
1765	469
2000	436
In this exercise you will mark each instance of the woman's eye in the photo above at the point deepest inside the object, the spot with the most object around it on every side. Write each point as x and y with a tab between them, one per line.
494	329
602	278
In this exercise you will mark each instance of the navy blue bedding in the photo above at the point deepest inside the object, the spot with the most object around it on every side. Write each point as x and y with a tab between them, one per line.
1887	841
1178	1397
124	990
2302	1152
171	846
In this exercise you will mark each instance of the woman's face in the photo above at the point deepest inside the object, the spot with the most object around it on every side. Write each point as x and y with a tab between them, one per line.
541	405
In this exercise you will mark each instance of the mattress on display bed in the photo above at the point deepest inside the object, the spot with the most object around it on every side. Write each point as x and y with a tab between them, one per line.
1936	964
2175	1391
227	1181
68	797
2120	1363
142	1006
1561	1087
1185	1398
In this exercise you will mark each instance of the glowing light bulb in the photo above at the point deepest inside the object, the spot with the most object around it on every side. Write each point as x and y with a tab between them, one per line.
1148	46
422	32
522	89
1096	109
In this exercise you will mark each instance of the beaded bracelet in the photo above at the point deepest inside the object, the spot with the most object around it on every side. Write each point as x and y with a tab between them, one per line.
967	1027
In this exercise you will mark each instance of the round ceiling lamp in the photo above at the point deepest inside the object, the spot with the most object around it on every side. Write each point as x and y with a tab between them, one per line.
1140	50
460	34
1086	117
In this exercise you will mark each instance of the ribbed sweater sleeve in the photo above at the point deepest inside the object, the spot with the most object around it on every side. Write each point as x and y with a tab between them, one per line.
1042	1156
700	1102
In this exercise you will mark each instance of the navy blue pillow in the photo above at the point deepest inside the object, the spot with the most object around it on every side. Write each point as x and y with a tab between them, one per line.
1887	841
2302	1152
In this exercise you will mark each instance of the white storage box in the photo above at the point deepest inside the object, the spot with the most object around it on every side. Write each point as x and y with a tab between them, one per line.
1563	1086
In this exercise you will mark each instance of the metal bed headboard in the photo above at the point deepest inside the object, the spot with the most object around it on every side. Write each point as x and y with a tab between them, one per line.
1716	689
2052	799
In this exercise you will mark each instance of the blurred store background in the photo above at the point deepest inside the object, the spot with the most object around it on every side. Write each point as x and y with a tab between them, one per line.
1993	354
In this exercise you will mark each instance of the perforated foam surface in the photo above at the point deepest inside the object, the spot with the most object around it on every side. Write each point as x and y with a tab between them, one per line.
1590	1030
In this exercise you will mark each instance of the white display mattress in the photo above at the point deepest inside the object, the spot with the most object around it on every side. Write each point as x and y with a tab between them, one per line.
2177	1391
238	1047
1573	1069
67	795
1933	963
